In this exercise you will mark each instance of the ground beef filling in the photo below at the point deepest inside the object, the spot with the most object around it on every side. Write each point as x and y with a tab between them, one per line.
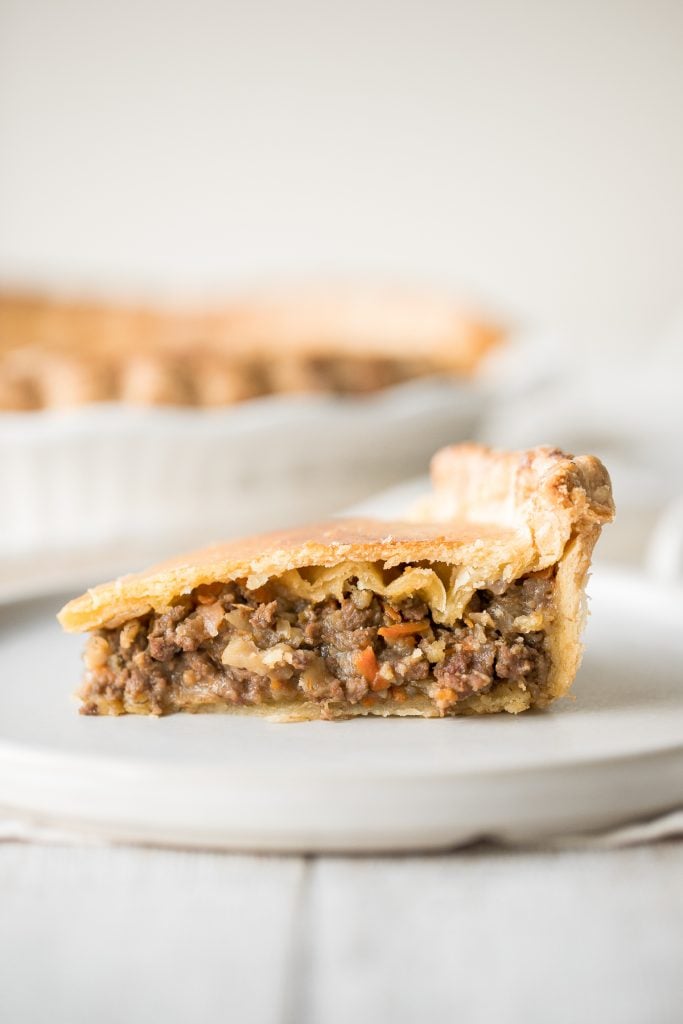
224	644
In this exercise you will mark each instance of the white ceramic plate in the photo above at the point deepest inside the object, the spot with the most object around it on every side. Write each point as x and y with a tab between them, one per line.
613	755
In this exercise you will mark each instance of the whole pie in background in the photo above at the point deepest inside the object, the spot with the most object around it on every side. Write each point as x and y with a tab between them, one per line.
55	352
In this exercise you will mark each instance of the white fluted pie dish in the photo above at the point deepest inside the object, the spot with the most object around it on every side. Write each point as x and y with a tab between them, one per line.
103	487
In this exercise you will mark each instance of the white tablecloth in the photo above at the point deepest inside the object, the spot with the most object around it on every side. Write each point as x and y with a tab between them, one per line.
117	934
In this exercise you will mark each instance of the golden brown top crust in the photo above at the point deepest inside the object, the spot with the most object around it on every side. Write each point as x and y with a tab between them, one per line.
263	556
365	321
493	516
318	321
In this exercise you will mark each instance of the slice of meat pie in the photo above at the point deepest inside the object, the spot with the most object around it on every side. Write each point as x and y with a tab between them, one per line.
475	607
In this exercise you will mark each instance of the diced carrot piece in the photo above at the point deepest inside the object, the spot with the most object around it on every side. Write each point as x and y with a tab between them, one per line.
368	701
399	694
366	663
401	629
392	613
379	683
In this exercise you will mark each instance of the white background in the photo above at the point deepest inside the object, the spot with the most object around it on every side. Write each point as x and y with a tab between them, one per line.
528	152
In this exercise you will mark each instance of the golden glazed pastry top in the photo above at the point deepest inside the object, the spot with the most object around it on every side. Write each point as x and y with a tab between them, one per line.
493	516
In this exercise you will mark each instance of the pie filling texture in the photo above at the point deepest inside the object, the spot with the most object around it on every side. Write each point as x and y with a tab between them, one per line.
360	641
